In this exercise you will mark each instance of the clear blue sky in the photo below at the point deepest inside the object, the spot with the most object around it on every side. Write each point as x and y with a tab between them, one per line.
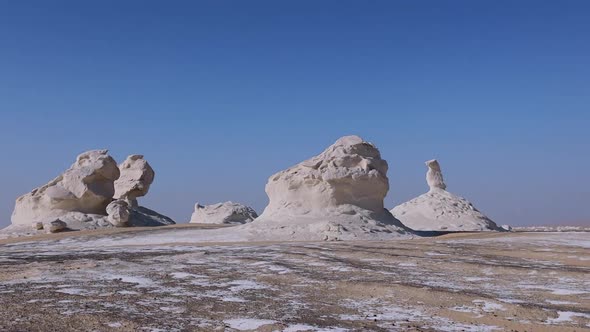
219	95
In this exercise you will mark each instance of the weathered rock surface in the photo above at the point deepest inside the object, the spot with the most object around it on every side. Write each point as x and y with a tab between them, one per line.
118	213
434	176
335	195
135	180
223	213
440	210
86	187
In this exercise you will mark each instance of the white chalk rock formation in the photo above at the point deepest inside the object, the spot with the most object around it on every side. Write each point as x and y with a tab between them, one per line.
87	187
337	195
434	176
80	197
440	210
118	213
223	213
135	180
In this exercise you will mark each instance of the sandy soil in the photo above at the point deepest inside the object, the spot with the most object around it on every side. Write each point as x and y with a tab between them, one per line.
108	231
457	282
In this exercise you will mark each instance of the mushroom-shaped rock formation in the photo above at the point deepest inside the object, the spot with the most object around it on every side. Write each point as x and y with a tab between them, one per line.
335	195
440	210
223	213
87	187
135	180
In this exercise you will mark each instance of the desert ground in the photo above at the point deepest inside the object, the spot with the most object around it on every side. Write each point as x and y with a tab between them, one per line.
117	280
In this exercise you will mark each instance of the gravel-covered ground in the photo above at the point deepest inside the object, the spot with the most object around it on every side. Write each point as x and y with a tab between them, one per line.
461	282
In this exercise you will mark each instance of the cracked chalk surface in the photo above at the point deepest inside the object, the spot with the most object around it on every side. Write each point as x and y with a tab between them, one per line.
469	282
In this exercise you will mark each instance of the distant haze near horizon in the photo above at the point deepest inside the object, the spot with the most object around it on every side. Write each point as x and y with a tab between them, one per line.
220	95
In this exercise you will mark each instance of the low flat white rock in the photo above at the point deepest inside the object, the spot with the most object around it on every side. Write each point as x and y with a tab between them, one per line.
223	213
440	210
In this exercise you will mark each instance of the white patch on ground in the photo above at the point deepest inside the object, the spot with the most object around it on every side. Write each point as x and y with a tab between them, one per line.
137	280
541	240
560	302
240	285
183	275
466	309
316	264
74	291
488	306
304	327
233	299
407	264
561	291
277	269
566	316
474	279
244	324
387	314
371	260
340	268
553	290
174	310
430	253
511	301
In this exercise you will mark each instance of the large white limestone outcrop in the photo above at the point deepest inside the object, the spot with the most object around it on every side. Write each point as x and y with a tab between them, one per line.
223	213
87	187
335	195
136	177
82	197
440	210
